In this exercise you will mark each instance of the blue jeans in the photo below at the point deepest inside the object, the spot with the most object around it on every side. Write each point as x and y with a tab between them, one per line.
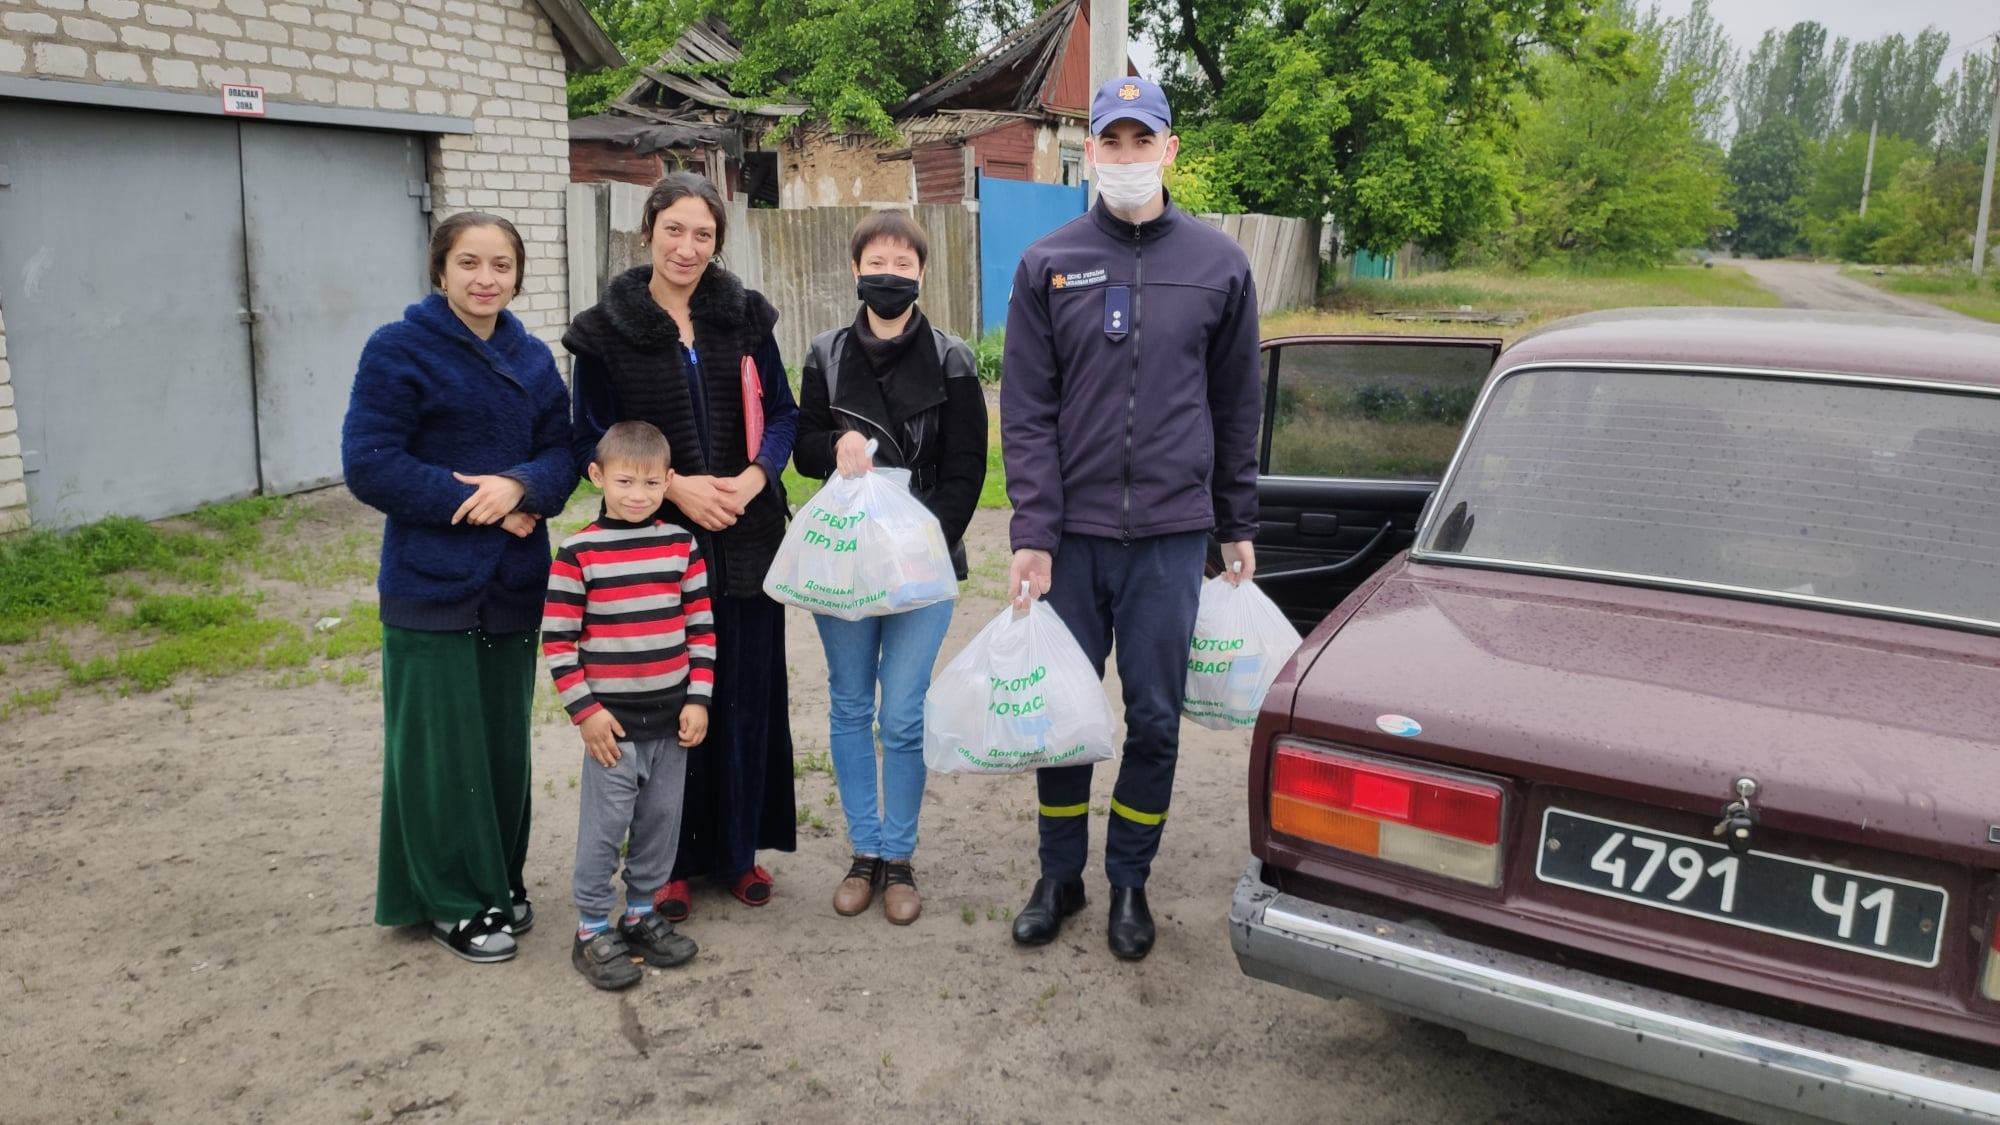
897	652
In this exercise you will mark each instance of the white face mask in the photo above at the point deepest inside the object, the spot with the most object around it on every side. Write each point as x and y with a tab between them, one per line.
1126	187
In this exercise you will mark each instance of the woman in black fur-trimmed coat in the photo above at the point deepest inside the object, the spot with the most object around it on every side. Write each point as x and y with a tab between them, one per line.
665	345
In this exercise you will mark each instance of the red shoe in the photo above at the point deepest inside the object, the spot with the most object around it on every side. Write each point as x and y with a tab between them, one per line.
674	901
753	887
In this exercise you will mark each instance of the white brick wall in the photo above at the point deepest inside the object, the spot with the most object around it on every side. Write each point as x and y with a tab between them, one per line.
495	61
13	493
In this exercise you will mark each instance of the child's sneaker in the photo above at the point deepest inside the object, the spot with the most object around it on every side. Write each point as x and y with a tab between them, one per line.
524	914
480	940
605	961
653	938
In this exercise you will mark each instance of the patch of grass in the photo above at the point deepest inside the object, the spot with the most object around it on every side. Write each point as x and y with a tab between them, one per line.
1954	289
211	650
356	558
986	352
359	632
1543	296
42	700
184	613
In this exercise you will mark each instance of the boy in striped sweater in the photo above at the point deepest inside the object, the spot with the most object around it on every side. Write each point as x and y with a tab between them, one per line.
630	640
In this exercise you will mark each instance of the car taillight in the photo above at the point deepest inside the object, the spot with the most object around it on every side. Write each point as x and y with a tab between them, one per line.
1989	984
1444	824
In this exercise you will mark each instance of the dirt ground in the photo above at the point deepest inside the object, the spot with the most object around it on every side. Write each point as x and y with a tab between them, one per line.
185	925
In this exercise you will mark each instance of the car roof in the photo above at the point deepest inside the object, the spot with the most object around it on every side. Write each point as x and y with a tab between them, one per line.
1958	350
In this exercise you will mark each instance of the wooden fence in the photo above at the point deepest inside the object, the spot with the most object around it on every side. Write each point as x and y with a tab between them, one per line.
1284	256
799	258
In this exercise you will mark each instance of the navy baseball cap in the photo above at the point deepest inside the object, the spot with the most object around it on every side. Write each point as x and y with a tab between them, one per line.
1136	98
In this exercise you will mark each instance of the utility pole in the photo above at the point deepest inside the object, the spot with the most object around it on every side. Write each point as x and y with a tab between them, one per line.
1986	185
1868	170
1109	20
1108	31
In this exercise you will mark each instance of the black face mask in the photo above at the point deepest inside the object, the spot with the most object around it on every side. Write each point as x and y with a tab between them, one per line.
887	295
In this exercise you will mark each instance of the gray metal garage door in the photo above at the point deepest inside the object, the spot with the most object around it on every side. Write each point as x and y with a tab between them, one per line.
121	272
336	249
185	298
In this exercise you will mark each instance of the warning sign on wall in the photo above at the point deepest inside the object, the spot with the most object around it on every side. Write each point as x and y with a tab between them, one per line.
247	101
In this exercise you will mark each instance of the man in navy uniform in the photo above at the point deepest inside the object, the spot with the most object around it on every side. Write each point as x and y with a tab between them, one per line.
1128	421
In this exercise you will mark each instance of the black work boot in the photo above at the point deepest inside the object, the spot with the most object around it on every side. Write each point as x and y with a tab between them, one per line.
1049	903
1130	933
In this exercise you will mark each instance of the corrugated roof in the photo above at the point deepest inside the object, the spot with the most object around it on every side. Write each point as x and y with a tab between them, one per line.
1022	59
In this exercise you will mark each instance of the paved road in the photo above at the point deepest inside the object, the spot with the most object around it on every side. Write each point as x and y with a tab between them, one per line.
1814	285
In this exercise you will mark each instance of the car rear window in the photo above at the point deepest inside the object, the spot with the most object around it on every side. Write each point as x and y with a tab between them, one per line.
1880	495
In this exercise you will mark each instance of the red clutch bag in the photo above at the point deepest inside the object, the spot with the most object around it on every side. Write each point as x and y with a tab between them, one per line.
753	408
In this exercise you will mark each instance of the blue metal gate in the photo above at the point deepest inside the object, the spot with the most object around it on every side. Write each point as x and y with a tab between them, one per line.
1013	214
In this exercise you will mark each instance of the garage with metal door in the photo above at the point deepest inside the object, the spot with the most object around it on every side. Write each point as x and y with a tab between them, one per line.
186	296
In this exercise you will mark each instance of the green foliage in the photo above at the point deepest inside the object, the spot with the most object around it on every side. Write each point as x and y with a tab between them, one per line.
849	60
1838	164
1611	164
1794	77
1936	207
1384	112
1199	186
1965	102
1767	167
1892	85
986	353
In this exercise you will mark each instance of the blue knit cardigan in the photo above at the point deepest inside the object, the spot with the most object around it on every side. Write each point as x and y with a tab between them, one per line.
431	398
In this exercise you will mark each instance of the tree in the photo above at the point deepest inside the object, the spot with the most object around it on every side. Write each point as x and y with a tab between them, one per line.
1967	100
1613	166
848	60
1937	205
1767	166
1838	165
1892	83
1384	112
1701	52
1793	77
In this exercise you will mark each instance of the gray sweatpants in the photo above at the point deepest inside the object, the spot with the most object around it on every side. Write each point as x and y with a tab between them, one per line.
639	797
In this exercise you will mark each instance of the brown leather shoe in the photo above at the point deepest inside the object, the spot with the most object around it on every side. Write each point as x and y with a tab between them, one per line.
900	902
856	891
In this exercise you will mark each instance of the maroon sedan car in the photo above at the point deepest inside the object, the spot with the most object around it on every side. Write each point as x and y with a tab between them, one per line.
1650	728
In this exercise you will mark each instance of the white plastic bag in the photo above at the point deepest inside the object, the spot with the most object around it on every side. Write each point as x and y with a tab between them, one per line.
1241	640
862	547
1021	696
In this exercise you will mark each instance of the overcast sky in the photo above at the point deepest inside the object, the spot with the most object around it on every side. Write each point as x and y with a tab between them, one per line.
1746	21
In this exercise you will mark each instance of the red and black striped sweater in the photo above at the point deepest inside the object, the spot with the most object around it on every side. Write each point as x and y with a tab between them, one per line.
627	627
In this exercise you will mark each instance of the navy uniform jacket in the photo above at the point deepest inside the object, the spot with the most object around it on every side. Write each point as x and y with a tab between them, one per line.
1129	398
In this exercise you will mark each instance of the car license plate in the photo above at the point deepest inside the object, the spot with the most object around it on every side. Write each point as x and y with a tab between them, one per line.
1817	902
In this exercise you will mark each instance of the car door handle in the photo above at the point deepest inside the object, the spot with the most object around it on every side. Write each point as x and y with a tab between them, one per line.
1350	562
1318	523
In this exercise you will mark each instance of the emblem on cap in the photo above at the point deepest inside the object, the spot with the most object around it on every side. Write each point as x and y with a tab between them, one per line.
1129	92
1057	281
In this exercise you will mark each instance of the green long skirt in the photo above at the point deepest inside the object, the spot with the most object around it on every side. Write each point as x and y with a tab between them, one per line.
455	773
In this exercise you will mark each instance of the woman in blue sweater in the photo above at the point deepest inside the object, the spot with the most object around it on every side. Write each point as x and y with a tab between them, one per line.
458	431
